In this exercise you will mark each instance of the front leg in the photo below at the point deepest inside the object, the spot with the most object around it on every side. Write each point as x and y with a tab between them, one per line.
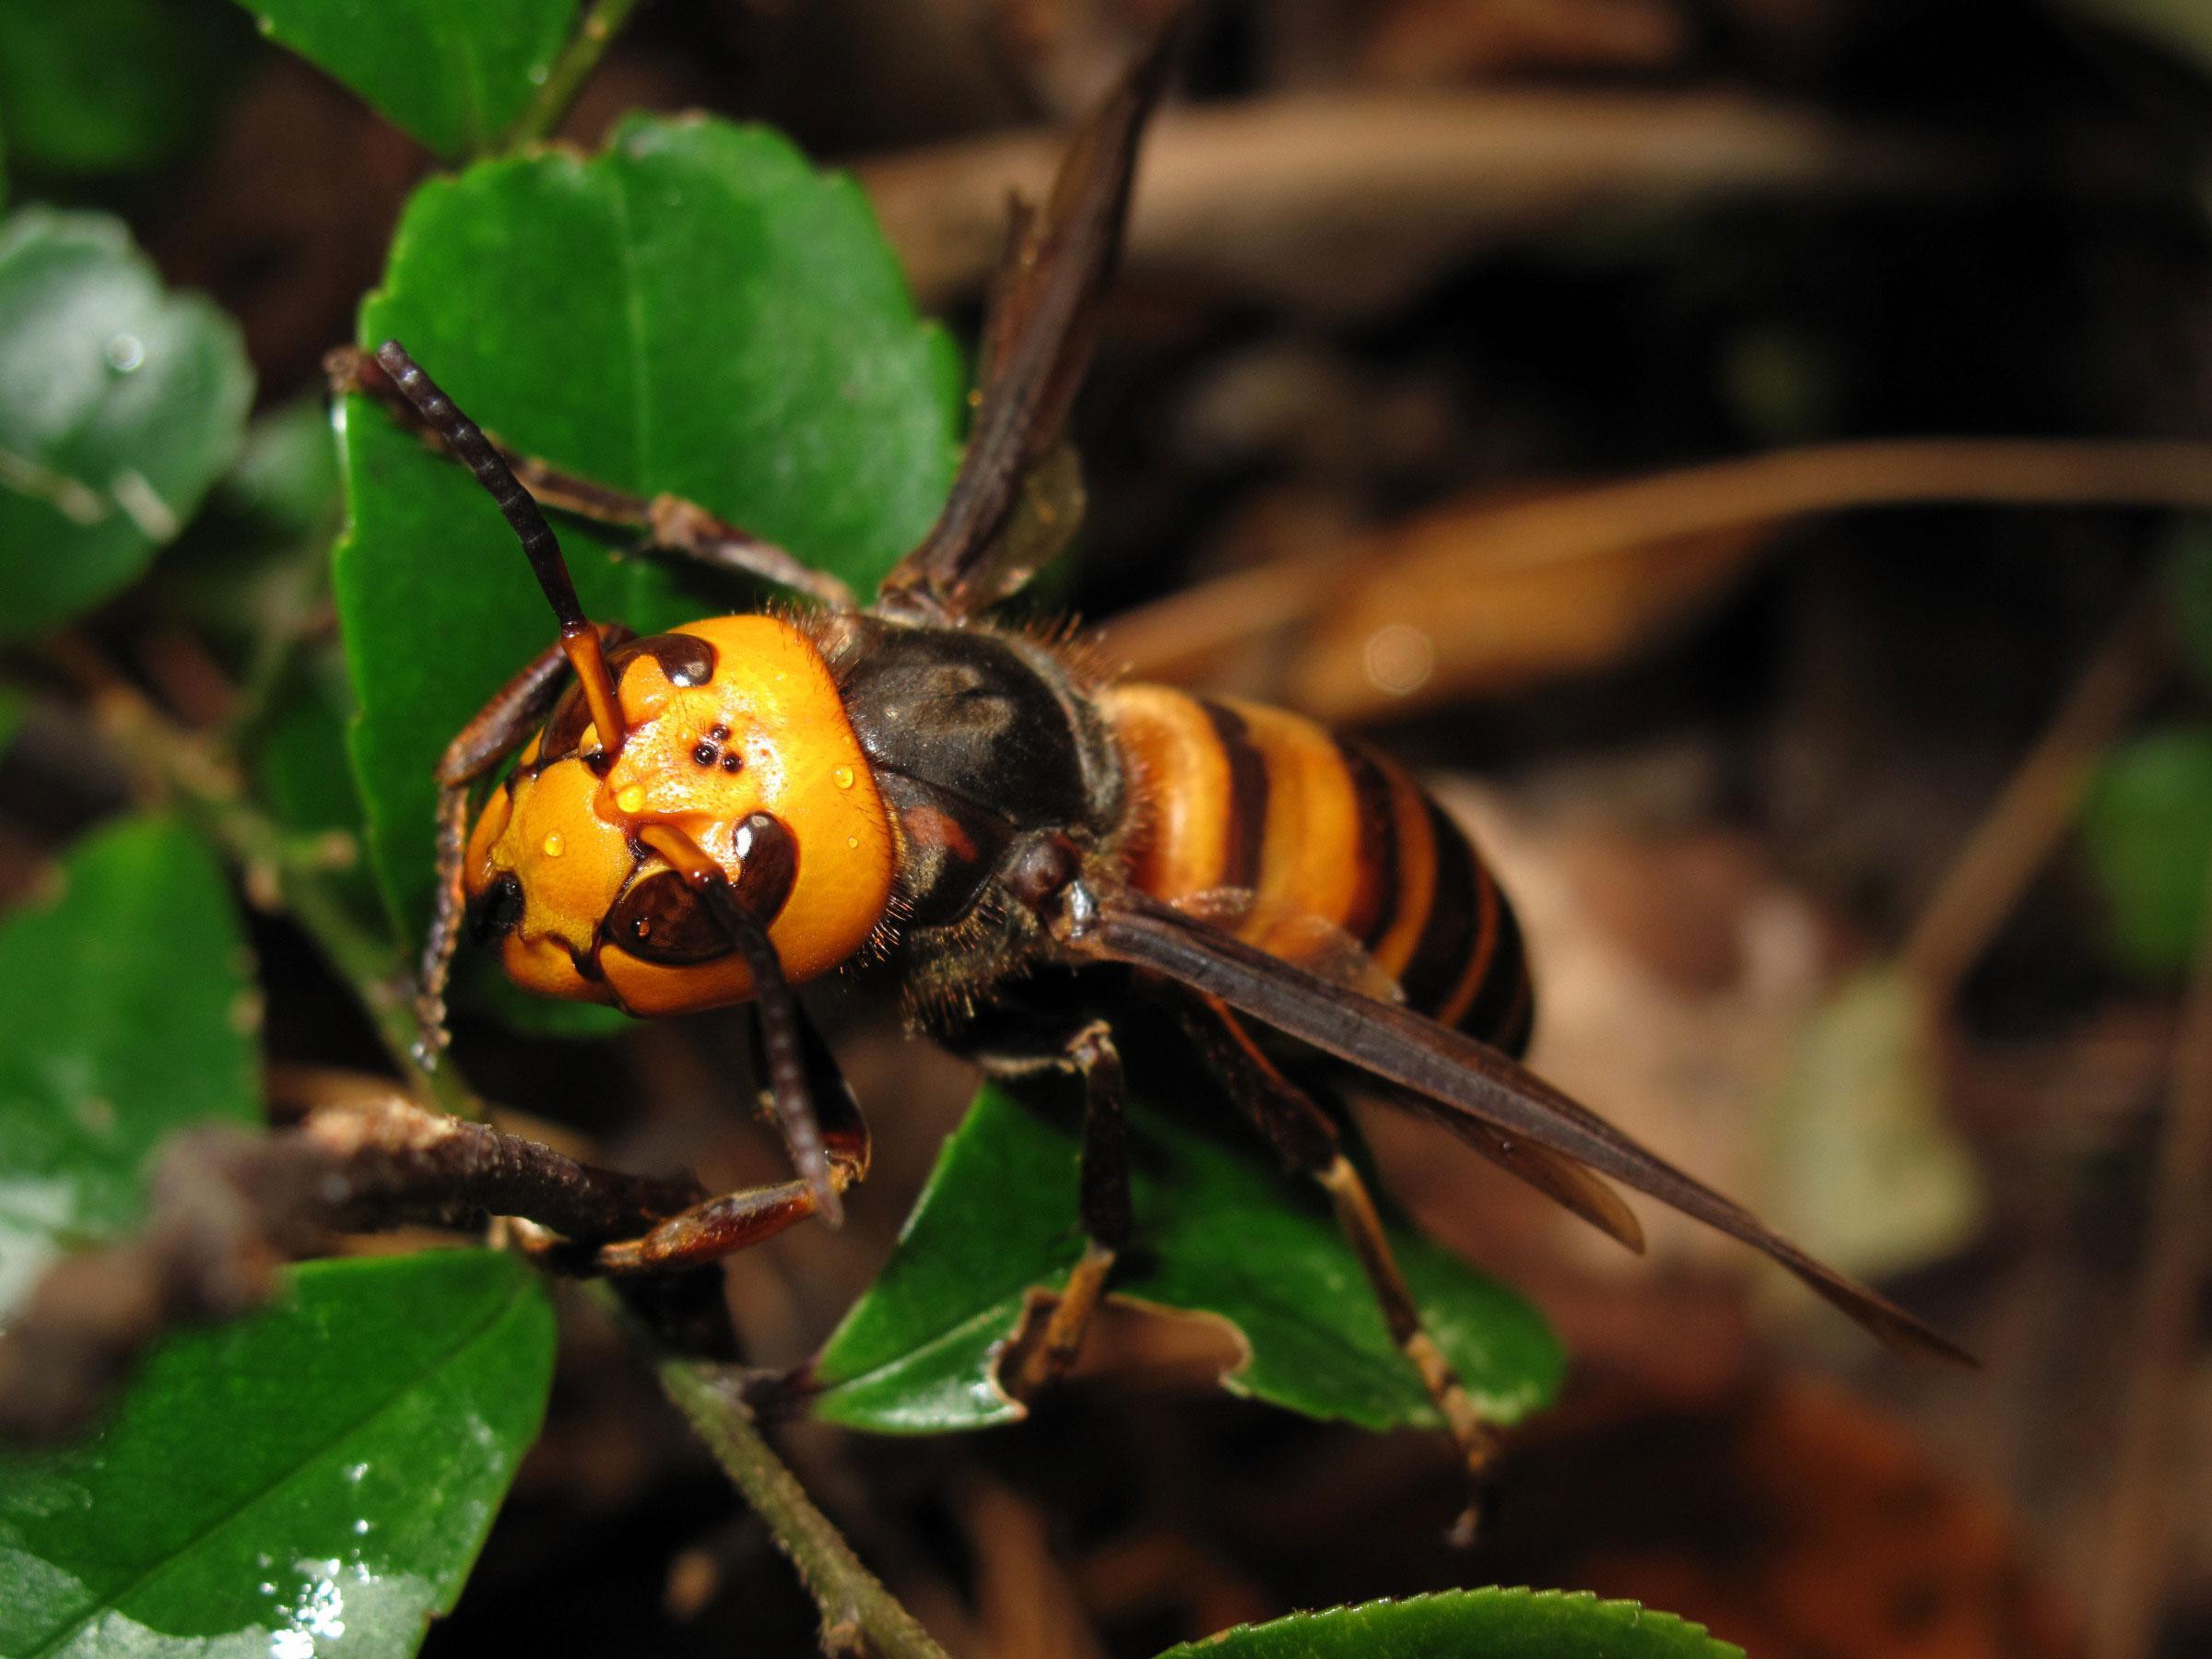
720	1226
669	524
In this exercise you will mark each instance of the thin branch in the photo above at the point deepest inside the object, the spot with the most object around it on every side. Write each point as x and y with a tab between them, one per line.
1347	201
228	1206
1391	577
2139	1526
859	1615
2038	804
577	60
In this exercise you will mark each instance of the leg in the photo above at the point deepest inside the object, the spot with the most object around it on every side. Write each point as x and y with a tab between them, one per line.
669	523
721	1226
499	728
805	1090
1308	1142
1090	1052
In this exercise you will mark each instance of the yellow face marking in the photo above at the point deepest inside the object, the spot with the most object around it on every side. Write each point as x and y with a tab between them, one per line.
766	732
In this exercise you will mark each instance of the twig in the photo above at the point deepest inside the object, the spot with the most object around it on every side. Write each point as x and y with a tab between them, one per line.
1392	578
577	60
208	787
2139	1526
1348	200
859	1615
227	1207
1987	877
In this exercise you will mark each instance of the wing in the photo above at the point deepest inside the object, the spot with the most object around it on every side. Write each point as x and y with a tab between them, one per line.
1554	1175
1331	954
1036	346
1459	1075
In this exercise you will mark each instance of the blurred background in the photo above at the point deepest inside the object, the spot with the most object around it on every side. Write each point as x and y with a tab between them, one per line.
1503	379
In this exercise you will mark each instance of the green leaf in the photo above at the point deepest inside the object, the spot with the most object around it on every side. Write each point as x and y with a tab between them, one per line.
1217	1233
695	311
124	1013
124	403
315	1480
2147	826
1470	1624
92	87
453	75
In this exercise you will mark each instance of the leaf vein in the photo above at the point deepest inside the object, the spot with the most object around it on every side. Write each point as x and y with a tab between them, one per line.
155	1570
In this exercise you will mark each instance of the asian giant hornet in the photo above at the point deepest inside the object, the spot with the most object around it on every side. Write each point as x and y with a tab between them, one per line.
715	814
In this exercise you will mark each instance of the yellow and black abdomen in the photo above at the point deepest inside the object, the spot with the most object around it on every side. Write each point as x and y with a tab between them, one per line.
1229	797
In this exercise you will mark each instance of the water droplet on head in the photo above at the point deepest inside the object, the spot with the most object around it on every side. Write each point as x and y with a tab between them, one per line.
852	842
554	845
124	352
632	798
844	775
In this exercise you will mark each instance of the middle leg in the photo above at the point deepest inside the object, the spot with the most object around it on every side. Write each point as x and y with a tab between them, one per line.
1089	1052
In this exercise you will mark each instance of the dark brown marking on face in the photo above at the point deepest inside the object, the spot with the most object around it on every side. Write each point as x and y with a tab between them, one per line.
1245	833
769	868
662	918
659	919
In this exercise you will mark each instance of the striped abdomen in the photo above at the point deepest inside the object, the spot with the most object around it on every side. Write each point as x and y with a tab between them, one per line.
1229	795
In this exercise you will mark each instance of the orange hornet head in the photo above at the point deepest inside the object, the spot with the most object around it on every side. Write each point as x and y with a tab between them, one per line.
736	735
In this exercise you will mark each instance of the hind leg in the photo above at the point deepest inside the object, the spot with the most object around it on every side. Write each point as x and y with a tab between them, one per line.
1308	1142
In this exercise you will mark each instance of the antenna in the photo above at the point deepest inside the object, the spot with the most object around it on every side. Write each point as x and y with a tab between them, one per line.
579	638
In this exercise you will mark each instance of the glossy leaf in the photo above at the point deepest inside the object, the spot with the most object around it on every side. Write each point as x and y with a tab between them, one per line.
1470	1624
1218	1231
95	87
2148	827
453	75
124	1015
696	310
315	1480
124	403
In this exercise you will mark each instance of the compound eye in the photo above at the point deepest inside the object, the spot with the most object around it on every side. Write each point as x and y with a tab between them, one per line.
662	919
